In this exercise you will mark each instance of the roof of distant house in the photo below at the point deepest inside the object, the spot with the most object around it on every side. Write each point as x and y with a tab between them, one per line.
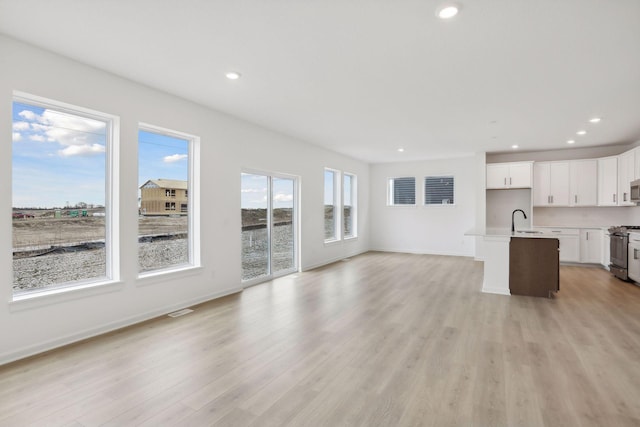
165	183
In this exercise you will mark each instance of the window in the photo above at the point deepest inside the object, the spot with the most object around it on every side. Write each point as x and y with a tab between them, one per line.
166	169
331	213
439	190
63	196
402	191
349	205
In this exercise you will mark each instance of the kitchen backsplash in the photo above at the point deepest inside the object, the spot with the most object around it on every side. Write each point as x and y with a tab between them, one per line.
586	217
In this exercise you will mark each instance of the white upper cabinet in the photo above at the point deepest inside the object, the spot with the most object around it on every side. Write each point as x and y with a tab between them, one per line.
551	184
583	182
608	181
626	174
509	175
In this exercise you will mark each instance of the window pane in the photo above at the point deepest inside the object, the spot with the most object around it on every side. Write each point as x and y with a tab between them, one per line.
283	226
163	220
329	205
403	191
438	190
58	197
349	205
255	230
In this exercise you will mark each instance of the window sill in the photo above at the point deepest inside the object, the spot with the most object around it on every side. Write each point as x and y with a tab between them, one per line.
53	296
332	242
350	238
156	276
450	205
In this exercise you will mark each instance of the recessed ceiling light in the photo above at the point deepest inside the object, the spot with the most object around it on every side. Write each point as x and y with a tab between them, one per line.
571	141
581	132
233	75
595	120
514	147
447	11
401	150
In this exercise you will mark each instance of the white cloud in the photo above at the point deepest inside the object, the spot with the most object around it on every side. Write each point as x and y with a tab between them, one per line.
174	158
37	138
280	197
253	190
82	150
16	136
19	126
28	115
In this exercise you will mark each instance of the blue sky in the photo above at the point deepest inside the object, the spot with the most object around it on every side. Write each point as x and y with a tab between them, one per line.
254	192
60	158
162	157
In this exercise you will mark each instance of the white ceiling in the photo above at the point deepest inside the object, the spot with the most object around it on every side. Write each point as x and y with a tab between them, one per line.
364	77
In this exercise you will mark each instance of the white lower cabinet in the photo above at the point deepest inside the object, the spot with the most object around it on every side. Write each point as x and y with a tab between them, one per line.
569	242
591	245
606	250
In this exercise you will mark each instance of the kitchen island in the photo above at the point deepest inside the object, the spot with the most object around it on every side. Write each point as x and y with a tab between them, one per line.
497	256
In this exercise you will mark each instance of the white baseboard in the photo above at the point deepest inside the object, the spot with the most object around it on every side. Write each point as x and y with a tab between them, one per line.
92	332
497	291
331	261
414	252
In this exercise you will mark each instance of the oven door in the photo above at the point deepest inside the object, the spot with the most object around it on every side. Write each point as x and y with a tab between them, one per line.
619	250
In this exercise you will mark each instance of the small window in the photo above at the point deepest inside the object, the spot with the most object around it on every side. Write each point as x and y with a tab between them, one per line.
402	191
331	212
439	190
349	205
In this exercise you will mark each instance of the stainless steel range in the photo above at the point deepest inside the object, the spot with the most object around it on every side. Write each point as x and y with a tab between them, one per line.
620	250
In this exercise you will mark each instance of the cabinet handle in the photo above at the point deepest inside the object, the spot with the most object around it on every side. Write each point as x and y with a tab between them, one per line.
587	235
576	198
552	199
509	180
549	199
624	197
635	253
505	181
614	198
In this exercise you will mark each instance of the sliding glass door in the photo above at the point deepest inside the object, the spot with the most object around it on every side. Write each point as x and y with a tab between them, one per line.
269	237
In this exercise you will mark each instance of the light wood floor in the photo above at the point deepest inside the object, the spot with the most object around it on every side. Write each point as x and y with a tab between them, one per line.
381	340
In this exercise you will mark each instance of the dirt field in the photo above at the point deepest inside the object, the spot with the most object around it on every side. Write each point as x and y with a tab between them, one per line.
48	231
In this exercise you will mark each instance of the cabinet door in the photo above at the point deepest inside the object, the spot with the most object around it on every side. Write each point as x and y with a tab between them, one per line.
608	181
606	251
569	248
541	184
559	179
583	183
497	176
626	174
591	246
520	175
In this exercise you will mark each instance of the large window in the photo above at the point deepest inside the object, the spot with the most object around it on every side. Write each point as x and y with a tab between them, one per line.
349	215
62	196
165	163
439	190
402	191
331	203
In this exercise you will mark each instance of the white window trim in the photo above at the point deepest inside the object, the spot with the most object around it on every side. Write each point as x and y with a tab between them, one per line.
337	216
354	205
390	192
424	190
112	197
193	189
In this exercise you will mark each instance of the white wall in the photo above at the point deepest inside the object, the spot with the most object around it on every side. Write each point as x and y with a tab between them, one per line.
228	145
602	216
425	229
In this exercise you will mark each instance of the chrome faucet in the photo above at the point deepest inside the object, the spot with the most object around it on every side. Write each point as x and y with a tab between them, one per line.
513	228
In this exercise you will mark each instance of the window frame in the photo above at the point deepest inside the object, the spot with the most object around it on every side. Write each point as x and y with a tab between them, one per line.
193	207
424	190
354	205
111	194
390	192
337	216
